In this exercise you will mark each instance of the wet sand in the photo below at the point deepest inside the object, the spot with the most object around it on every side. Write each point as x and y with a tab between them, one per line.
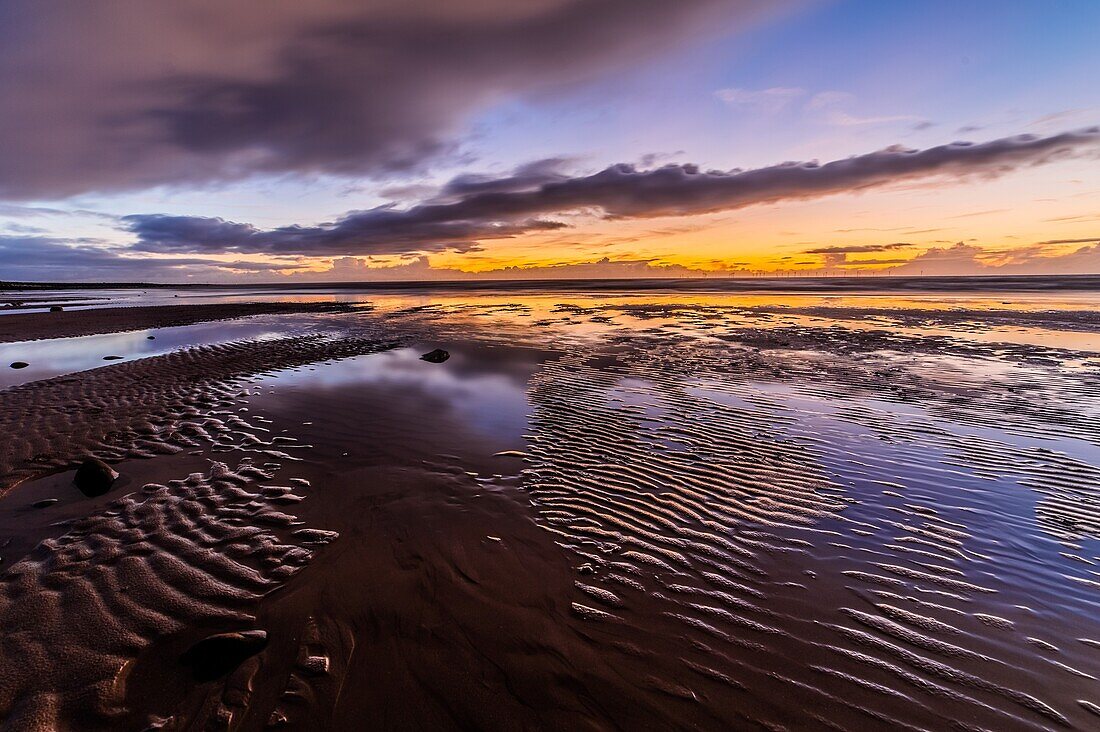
597	513
72	323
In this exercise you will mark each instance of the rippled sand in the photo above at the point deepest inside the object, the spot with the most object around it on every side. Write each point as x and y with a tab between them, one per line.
602	511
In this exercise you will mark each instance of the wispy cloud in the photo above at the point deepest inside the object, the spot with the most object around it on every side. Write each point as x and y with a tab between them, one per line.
824	99
1087	240
857	248
828	104
769	101
844	119
837	256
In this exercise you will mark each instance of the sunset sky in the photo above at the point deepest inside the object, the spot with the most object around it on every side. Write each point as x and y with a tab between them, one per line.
265	140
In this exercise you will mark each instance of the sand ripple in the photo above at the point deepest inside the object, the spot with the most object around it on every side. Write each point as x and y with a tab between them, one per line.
734	491
773	523
81	607
146	407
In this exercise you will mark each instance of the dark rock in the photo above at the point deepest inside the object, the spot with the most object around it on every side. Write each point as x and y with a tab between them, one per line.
56	308
436	356
218	655
44	502
150	338
94	477
111	358
19	364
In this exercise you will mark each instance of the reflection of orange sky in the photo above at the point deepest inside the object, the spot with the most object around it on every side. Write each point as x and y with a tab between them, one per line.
521	309
518	310
544	305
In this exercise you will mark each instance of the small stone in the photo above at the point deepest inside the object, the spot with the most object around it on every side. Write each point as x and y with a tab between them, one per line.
94	477
586	568
436	356
315	537
150	338
19	364
56	308
314	665
220	654
44	502
111	358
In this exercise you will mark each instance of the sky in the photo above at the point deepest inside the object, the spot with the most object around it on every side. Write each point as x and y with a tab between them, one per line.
345	140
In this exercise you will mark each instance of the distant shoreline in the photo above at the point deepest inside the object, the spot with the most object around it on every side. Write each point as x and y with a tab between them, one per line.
969	283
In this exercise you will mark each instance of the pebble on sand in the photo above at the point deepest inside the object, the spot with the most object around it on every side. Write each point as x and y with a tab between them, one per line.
111	358
19	364
218	655
94	477
436	356
56	308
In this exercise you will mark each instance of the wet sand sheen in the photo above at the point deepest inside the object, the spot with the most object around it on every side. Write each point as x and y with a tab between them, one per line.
73	323
615	519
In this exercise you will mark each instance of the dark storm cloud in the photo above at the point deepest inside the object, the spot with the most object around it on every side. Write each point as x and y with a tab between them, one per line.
525	178
376	231
126	94
475	209
623	190
158	232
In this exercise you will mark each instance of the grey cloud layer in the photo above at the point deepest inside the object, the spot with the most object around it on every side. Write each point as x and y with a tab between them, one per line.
472	209
377	231
45	258
125	94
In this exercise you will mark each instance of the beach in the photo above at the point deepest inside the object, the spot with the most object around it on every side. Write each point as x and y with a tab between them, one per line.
603	507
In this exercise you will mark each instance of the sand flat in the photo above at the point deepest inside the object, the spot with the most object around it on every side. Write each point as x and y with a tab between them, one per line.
20	326
600	511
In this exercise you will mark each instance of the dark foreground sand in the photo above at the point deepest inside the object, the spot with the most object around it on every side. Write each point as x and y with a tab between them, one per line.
73	323
589	517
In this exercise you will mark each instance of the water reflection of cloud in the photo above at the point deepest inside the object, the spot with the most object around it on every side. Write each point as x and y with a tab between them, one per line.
57	356
489	395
